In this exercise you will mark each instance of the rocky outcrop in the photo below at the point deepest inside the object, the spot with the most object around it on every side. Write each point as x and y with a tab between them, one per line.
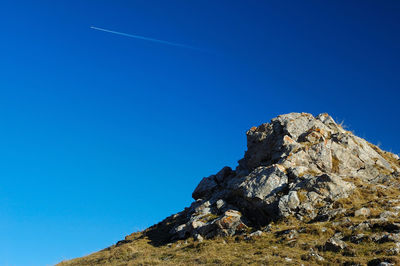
297	165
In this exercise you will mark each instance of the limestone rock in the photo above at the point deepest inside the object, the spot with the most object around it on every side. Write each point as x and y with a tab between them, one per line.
334	244
357	239
256	233
198	238
205	188
362	212
296	165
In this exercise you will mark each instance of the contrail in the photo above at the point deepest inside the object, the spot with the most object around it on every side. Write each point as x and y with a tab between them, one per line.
145	38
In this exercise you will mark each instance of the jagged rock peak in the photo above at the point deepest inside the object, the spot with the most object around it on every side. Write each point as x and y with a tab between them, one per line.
270	142
296	165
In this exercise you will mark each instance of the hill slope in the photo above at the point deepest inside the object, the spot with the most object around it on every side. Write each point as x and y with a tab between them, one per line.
307	191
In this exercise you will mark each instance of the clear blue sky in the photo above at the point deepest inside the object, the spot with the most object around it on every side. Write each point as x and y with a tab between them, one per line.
102	135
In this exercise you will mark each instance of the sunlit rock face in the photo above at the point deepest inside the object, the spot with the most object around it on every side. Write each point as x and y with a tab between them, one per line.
296	165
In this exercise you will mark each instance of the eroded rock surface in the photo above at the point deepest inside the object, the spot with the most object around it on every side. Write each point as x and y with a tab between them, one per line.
296	165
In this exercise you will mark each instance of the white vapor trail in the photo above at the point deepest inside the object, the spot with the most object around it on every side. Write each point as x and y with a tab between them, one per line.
145	38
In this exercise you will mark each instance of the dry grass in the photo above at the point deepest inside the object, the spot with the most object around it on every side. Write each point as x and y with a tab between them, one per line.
386	155
270	249
370	196
335	164
310	172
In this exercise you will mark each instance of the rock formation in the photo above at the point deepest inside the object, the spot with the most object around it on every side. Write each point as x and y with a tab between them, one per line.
306	191
297	165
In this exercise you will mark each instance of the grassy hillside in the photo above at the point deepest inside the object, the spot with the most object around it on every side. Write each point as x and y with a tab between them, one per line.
283	242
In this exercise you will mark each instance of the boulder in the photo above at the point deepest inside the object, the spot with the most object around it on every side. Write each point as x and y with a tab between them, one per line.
362	212
205	188
334	244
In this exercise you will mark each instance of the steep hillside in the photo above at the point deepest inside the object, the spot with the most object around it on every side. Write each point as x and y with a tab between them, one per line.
306	192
